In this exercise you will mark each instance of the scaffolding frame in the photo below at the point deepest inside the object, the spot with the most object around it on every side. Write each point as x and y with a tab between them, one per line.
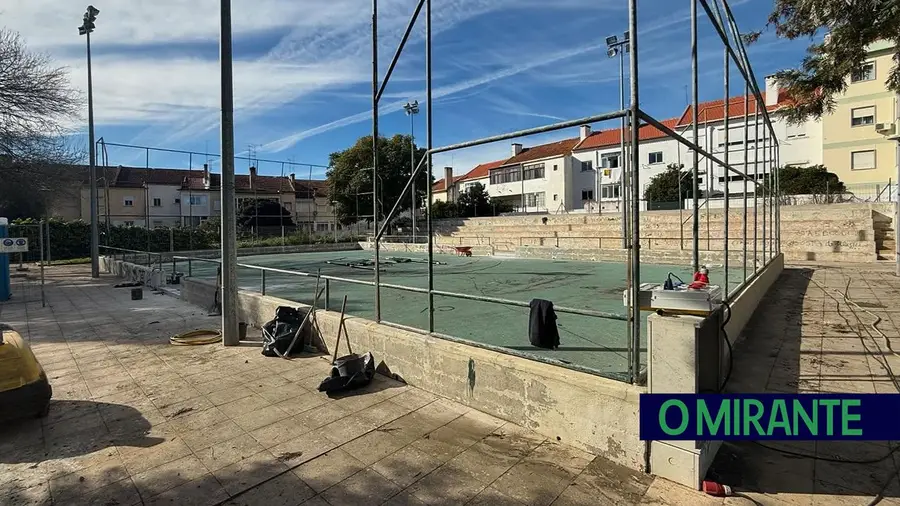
722	19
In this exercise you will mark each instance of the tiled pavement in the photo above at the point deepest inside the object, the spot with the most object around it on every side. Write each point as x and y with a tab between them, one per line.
137	421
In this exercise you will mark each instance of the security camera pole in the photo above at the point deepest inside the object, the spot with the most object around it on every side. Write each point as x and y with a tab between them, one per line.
412	108
90	16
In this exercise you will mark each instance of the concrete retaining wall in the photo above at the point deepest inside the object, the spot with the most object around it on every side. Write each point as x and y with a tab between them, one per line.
268	250
596	414
134	273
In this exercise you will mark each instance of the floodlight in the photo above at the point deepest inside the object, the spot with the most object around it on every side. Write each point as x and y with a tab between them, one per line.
93	11
611	40
627	35
612	52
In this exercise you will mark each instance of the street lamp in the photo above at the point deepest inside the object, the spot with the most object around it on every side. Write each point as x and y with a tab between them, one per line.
412	108
87	26
614	48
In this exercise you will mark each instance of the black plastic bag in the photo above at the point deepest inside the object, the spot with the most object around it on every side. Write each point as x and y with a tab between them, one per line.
278	333
349	372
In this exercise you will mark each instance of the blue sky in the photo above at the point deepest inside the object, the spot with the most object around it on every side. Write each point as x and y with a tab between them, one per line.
303	70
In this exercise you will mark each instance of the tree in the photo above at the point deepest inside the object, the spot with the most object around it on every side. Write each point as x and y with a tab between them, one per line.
350	178
852	25
814	180
672	185
475	201
37	103
255	213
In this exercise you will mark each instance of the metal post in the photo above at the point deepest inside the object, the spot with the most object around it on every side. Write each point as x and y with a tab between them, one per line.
429	118
622	162
695	99
765	199
897	217
327	293
230	336
190	268
412	165
49	259
756	183
375	156
635	196
726	173
41	246
95	227
746	166
171	240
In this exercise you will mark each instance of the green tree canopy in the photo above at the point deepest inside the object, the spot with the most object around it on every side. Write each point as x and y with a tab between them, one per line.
350	177
824	72
672	185
813	180
254	213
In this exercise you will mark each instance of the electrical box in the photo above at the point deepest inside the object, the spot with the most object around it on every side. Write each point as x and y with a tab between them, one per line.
679	300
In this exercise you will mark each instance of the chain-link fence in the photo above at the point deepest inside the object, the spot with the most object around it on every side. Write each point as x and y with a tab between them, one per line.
26	269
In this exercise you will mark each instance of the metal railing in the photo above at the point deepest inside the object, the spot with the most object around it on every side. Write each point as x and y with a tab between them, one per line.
122	254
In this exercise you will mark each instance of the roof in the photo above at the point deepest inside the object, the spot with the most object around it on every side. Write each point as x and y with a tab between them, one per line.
263	184
612	136
480	171
137	177
304	189
440	186
542	151
715	110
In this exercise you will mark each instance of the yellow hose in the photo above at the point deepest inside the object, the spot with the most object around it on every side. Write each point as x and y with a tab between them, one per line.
196	337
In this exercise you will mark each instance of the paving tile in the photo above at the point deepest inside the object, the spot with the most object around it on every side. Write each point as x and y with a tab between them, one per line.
243	405
228	452
364	487
34	496
484	466
492	497
372	447
229	394
404	499
299	403
260	418
406	466
167	476
347	429
249	472
138	460
327	469
278	432
283	490
86	481
570	459
202	491
446	485
122	492
534	483
204	438
302	449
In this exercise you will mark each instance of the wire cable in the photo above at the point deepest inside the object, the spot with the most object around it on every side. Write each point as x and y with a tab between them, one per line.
196	338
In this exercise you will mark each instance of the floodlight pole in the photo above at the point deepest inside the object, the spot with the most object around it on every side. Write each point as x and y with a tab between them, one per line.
85	29
634	123
411	110
230	335
695	99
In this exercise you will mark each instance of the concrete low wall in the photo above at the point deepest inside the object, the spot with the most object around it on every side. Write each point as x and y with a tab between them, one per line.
135	273
267	250
596	414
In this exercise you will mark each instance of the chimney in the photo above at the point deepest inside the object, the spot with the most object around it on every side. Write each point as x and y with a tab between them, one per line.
584	131
771	91
206	182
448	183
252	176
516	148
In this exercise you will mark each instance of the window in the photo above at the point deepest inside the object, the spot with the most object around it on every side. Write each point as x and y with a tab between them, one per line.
554	167
129	223
862	116
795	131
735	136
555	197
587	166
157	202
321	227
157	224
534	199
198	200
177	200
609	191
610	161
505	175
656	157
587	194
862	160
533	171
128	202
866	73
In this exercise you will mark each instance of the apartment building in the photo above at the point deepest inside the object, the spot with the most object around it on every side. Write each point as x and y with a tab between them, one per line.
441	192
860	135
142	197
584	173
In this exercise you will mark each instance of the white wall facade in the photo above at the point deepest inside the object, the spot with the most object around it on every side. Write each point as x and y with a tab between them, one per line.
168	212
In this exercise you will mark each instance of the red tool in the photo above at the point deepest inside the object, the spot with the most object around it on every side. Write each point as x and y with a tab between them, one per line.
701	279
715	489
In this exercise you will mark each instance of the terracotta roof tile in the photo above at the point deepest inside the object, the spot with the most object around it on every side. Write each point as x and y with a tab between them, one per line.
714	110
611	137
542	151
482	170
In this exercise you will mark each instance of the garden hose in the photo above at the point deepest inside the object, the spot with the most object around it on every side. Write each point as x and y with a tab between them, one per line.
196	337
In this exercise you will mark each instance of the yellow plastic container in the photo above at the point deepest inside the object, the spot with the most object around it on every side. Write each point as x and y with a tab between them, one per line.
24	388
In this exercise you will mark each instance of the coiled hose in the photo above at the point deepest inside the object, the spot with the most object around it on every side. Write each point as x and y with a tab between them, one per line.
196	338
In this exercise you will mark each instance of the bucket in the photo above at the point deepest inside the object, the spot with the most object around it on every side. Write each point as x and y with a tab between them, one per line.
137	293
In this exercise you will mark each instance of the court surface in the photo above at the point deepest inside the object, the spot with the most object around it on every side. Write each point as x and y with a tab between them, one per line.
593	343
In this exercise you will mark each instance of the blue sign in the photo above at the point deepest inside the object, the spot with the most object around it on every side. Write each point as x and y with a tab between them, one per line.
802	417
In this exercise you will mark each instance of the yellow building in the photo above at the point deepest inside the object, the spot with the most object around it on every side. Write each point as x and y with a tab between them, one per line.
859	138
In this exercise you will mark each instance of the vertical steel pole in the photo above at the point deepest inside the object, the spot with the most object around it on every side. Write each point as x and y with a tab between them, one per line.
375	157
897	217
695	100
755	183
49	259
727	165
765	189
41	246
622	162
95	227
635	196
746	166
429	118
230	336
412	165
